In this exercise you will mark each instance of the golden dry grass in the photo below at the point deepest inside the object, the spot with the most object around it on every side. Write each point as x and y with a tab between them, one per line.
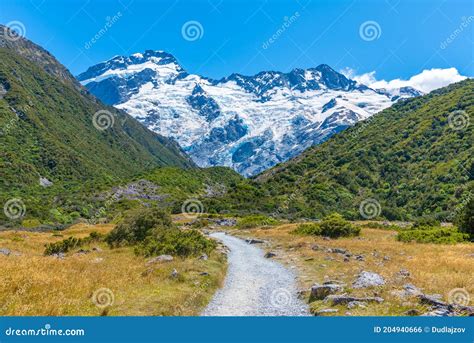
434	268
32	284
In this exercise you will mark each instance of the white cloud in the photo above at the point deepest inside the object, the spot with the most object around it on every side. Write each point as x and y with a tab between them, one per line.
426	81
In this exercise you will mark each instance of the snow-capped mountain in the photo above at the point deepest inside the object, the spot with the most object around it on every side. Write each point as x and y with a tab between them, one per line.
249	123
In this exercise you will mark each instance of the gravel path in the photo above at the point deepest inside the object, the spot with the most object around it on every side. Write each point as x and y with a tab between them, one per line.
254	285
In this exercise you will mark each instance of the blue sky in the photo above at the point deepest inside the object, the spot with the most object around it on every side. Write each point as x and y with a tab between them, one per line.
410	36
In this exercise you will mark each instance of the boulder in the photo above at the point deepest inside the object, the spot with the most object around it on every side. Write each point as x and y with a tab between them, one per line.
320	292
59	256
432	300
346	299
440	312
5	251
204	257
354	304
408	290
368	279
160	259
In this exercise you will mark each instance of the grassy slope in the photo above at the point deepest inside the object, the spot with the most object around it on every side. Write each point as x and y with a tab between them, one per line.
434	268
38	285
407	157
52	135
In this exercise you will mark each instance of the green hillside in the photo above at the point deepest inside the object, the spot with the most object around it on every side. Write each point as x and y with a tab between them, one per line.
413	159
47	131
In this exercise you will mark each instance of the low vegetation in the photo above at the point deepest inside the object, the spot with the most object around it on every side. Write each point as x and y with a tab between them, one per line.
37	285
152	233
432	268
255	220
435	235
71	243
333	226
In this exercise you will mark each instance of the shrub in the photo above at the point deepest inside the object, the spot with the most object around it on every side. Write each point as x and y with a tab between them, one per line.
173	241
376	225
308	229
137	226
465	217
425	223
433	235
255	220
70	243
335	226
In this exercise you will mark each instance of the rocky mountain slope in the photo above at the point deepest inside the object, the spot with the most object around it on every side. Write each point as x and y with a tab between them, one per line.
410	160
249	123
50	135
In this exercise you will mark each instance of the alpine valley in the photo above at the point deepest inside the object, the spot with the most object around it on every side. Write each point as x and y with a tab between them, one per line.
248	123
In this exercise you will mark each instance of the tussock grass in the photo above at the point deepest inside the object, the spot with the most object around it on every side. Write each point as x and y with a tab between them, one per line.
435	268
33	284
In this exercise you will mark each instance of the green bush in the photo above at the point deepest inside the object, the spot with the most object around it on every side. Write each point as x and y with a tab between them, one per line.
151	231
137	226
176	242
308	229
433	235
335	226
465	218
71	243
376	225
255	220
425	222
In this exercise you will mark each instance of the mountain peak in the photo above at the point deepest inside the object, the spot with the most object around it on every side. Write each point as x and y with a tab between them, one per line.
123	65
